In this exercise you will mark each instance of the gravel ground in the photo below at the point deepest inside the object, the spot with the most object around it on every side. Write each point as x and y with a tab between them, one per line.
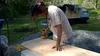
86	39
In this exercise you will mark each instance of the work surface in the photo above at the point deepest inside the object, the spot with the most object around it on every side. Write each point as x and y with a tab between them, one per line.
43	47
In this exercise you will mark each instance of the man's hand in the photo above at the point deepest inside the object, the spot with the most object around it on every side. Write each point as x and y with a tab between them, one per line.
59	35
58	48
45	29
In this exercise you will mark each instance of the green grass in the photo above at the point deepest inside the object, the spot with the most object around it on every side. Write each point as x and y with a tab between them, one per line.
93	25
23	26
93	22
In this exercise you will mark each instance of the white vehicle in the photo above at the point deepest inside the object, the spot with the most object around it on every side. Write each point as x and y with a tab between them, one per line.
75	13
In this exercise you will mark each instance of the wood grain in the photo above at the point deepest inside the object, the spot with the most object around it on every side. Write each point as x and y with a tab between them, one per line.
44	48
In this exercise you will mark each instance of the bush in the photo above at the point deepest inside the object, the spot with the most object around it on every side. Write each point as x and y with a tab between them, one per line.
93	13
4	12
22	6
14	8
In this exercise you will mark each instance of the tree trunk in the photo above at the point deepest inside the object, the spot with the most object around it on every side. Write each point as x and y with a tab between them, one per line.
96	3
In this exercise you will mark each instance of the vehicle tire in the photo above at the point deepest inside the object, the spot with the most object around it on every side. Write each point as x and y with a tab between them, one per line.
84	20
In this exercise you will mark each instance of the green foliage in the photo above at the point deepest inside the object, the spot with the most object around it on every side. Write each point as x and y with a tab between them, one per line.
93	13
85	3
4	12
93	22
79	2
14	8
98	4
22	6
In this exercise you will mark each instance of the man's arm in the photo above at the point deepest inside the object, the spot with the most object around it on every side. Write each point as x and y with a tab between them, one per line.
47	29
59	35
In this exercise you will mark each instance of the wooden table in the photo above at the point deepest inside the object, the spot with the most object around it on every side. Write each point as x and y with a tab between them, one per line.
43	47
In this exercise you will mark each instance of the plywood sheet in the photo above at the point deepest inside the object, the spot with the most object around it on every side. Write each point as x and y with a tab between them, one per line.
44	48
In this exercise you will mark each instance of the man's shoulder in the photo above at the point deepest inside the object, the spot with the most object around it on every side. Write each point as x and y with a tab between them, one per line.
53	8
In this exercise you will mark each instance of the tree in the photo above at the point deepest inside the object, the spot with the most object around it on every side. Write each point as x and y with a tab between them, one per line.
13	8
60	2
96	3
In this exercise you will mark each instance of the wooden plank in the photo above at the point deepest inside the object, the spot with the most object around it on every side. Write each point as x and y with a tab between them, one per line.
44	48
